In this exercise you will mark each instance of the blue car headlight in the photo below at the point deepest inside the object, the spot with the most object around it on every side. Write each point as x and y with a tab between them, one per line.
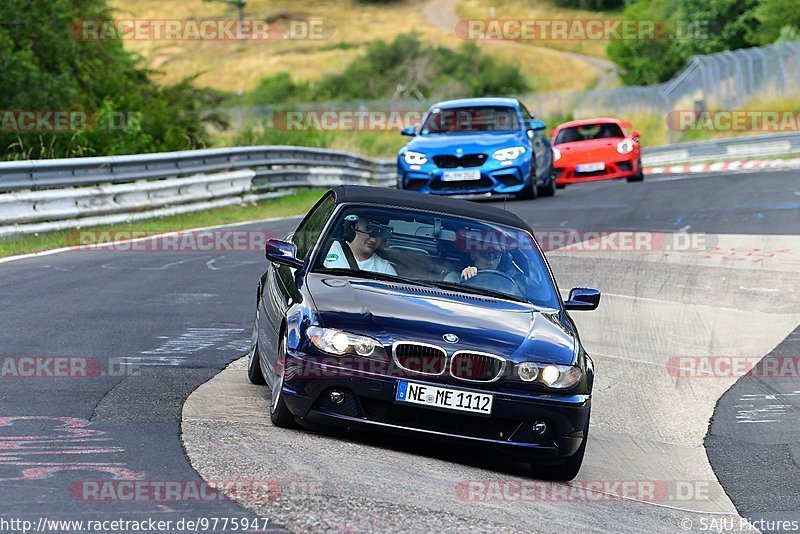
414	158
341	343
509	154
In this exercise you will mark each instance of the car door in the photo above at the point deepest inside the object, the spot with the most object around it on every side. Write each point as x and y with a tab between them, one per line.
540	146
279	288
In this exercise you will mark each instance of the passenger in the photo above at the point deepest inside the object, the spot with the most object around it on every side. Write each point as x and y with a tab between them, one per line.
369	235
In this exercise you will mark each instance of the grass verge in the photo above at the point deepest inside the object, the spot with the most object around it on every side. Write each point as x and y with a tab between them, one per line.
297	203
350	27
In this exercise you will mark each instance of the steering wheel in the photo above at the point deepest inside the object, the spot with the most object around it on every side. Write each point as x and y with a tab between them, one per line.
494	280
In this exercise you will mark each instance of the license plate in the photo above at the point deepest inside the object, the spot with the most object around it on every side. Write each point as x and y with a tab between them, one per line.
449	399
461	176
590	167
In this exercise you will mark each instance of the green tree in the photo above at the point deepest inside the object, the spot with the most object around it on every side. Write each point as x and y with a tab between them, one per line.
648	61
773	16
689	28
45	66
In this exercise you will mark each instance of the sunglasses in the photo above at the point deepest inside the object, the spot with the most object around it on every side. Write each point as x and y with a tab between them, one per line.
375	230
489	255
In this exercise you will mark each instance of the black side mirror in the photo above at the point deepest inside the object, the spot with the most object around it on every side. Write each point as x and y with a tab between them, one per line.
583	298
409	131
282	253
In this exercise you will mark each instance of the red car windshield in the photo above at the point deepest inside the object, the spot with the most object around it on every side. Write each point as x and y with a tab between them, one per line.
588	132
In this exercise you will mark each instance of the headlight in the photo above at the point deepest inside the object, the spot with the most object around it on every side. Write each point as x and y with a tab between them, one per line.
548	375
415	158
556	154
527	371
340	343
623	147
508	154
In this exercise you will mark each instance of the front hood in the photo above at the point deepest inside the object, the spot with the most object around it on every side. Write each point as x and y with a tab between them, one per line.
399	312
600	147
469	143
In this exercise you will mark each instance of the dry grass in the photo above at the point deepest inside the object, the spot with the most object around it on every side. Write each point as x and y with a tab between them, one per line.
539	10
237	65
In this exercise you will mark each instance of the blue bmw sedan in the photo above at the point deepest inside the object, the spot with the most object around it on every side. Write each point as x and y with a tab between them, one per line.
477	147
391	311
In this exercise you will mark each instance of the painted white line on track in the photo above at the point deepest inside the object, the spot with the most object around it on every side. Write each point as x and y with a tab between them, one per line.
138	239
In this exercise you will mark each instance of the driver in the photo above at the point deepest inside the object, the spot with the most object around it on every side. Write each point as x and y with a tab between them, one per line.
483	260
369	235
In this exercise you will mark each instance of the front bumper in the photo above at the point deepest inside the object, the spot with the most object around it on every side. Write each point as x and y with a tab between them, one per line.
370	405
495	179
568	174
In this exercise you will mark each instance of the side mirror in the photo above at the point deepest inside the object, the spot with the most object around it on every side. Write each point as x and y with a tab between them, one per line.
536	125
583	298
635	134
282	253
409	131
552	133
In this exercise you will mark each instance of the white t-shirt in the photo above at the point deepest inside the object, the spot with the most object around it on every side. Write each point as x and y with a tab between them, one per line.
375	263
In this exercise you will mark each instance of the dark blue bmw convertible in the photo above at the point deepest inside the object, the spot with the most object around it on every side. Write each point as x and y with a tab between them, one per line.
393	311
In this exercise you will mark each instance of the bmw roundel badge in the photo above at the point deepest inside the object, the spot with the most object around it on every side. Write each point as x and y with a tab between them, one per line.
450	338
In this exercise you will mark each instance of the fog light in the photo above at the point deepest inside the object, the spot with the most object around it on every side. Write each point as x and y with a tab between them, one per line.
539	428
337	397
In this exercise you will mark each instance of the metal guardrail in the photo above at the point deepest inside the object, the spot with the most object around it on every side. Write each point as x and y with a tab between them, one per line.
779	144
45	195
272	165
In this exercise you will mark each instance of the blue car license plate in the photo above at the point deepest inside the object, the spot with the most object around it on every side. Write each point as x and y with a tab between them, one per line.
461	176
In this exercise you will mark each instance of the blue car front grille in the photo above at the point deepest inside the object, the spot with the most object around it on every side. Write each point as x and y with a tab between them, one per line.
450	161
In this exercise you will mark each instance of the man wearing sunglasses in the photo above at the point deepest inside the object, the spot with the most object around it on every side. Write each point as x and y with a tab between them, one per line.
369	235
490	259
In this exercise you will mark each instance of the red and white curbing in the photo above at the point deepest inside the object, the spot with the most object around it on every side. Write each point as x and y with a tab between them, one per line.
727	166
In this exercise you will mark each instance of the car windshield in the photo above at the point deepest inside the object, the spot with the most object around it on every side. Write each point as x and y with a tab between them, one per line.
443	251
471	119
588	132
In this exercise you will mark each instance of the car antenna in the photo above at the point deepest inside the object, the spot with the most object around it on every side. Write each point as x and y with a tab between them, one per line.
505	199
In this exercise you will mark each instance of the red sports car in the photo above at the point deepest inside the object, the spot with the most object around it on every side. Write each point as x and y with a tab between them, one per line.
596	149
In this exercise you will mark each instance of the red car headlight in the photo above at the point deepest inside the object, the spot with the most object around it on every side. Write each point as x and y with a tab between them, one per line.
625	147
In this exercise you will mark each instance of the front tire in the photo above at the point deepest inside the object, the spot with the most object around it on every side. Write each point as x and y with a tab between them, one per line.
529	192
639	176
279	413
564	470
254	373
549	189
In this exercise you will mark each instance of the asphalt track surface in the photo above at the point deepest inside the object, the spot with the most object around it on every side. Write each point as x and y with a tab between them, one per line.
179	318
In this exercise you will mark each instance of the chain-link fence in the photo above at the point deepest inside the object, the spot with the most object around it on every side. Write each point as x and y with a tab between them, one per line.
726	80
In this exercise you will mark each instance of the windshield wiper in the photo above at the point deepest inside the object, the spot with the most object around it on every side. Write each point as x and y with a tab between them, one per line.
478	291
374	275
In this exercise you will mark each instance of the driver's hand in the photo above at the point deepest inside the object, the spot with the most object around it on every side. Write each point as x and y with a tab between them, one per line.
469	272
